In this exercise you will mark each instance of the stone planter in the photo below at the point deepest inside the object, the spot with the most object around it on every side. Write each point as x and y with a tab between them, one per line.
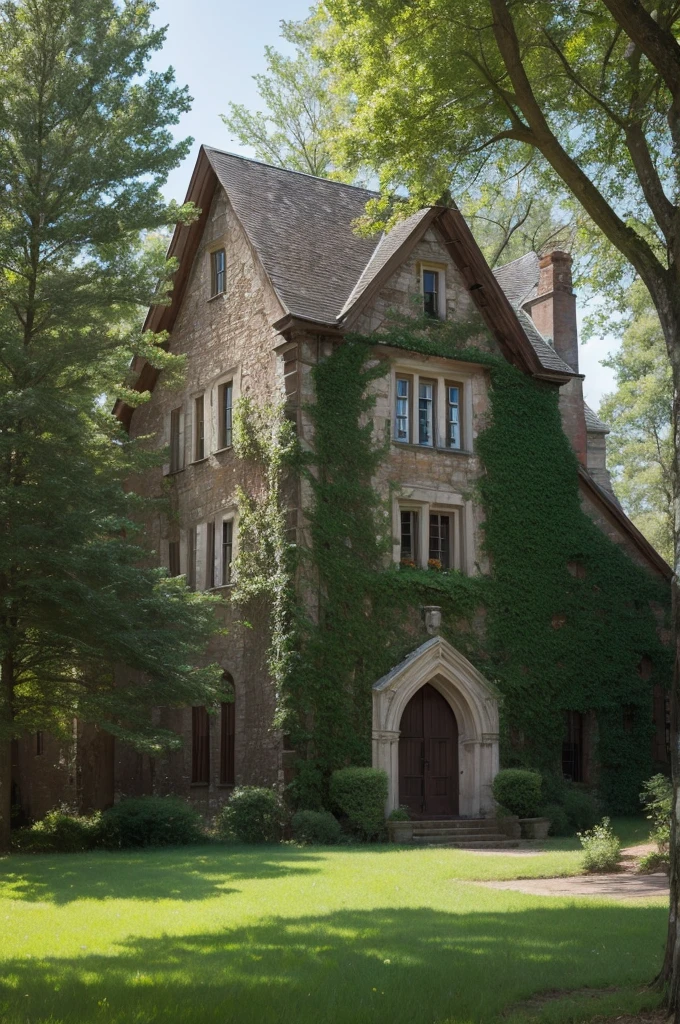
400	831
534	828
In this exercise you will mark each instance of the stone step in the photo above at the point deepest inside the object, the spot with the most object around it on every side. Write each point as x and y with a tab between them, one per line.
498	844
478	823
461	840
429	831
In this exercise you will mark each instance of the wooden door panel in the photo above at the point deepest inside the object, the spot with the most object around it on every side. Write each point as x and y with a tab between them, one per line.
428	755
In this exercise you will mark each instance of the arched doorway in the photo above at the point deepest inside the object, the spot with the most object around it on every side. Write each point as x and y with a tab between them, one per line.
428	755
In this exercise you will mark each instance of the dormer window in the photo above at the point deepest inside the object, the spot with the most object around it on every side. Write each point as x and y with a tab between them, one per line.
218	263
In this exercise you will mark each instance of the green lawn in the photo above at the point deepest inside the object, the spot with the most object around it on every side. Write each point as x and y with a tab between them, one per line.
279	934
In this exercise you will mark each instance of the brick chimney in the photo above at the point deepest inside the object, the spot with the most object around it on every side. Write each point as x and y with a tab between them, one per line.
553	310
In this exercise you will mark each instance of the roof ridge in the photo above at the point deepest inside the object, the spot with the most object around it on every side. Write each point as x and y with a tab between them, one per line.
288	170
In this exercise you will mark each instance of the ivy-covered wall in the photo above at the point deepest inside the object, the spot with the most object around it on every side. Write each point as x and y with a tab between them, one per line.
561	622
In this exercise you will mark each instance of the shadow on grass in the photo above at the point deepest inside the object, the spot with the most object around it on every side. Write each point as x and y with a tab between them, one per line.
179	873
405	965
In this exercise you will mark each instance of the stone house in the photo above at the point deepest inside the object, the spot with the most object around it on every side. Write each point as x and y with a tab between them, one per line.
271	278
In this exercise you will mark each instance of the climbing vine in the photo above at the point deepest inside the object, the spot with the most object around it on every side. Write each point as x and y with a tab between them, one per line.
561	622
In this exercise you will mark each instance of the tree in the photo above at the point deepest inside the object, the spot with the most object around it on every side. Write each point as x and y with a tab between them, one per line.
302	111
592	88
84	146
640	446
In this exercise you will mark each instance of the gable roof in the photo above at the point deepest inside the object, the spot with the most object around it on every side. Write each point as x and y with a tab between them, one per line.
519	278
301	228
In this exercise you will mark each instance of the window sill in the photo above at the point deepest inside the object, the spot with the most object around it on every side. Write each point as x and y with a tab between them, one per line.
227	448
199	785
174	472
197	462
226	785
220	295
222	586
430	448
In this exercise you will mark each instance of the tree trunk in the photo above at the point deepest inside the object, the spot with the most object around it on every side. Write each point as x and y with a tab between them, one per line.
6	716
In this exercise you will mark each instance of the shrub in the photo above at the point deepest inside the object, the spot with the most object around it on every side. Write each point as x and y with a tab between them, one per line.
657	796
360	794
519	790
60	831
654	861
312	827
399	814
601	848
581	808
254	814
559	822
150	821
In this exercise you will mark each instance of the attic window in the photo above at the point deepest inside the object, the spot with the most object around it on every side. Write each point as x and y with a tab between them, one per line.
431	293
218	263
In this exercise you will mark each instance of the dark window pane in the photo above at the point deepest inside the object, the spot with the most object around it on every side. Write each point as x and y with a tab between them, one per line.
426	414
200	746
199	428
431	293
210	556
402	411
219	272
173	558
226	415
572	746
175	453
39	743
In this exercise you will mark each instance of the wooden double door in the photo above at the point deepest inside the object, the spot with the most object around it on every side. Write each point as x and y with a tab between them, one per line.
428	755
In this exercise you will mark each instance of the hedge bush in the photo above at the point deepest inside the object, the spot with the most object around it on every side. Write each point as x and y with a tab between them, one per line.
150	821
601	848
254	814
519	790
60	831
559	821
360	794
316	827
581	808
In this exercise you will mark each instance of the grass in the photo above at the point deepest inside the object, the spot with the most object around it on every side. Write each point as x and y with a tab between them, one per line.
282	935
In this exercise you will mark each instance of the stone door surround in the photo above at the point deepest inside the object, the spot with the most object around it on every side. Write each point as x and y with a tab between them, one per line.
474	702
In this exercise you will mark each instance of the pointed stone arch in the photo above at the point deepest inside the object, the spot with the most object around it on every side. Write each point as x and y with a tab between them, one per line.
474	702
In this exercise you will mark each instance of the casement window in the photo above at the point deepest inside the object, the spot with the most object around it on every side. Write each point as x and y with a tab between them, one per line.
210	555
432	292
429	535
218	272
426	397
39	743
199	428
227	736
174	558
175	440
439	416
225	405
200	747
227	551
192	541
409	536
440	540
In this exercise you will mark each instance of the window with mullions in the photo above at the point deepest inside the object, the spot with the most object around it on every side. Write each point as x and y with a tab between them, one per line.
403	411
409	536
453	416
218	263
431	293
173	558
200	747
175	437
426	413
227	735
440	540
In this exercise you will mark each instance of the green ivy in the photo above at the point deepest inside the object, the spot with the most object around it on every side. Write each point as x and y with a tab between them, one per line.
344	615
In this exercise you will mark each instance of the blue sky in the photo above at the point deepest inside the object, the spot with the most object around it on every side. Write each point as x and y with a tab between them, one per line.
216	46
